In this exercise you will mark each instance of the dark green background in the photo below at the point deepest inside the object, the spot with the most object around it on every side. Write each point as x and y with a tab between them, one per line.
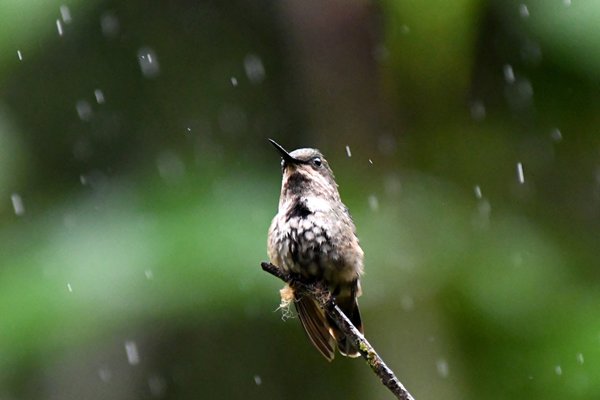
145	216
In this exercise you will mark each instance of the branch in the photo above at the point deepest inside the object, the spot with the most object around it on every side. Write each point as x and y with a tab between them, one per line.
321	294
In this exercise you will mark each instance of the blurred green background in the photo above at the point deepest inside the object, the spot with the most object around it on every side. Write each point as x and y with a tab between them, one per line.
137	188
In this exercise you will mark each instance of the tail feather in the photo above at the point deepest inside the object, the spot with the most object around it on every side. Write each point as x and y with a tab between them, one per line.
349	306
316	326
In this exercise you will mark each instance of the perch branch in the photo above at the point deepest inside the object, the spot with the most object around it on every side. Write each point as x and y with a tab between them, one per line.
321	294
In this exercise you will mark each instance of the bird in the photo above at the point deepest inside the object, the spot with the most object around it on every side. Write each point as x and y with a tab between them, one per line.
314	236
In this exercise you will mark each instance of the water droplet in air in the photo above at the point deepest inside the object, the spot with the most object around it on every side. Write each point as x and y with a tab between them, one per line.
149	274
148	62
481	219
373	202
523	11
556	135
65	14
20	55
69	288
567	3
509	74
84	110
257	380
59	27
348	152
17	203
477	110
157	385
579	358
255	70
477	190
234	81
442	367
405	29
170	167
99	95
109	25
381	53
133	357
520	174
370	161
558	370
104	374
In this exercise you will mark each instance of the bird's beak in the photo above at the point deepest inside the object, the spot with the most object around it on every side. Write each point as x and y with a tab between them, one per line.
287	158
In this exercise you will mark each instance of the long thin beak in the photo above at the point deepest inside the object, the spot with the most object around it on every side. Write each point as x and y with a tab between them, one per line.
284	154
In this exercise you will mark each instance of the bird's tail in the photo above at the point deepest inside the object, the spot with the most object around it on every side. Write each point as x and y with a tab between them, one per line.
315	325
349	306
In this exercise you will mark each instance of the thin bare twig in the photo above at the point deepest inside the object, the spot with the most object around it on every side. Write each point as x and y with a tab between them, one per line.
321	294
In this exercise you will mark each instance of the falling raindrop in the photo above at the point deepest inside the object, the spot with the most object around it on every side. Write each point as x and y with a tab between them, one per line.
148	62
442	367
59	27
348	152
65	14
69	288
392	184
520	174
481	219
257	380
370	161
509	74
234	81
17	203
20	55
531	52
558	370
556	135
381	53
523	11
477	110
133	357
373	202
405	29
149	274
157	385
579	358
84	110
104	374
255	70
567	3
99	95
109	25
170	167
477	190
525	89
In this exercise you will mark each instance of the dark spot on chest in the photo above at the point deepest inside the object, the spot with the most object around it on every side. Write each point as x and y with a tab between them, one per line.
298	210
296	183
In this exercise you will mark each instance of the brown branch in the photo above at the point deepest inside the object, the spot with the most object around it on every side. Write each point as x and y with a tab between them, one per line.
321	294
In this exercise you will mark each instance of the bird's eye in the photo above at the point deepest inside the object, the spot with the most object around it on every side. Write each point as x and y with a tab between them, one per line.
317	162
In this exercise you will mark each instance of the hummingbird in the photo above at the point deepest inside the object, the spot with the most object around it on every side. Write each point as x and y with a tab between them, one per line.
313	235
